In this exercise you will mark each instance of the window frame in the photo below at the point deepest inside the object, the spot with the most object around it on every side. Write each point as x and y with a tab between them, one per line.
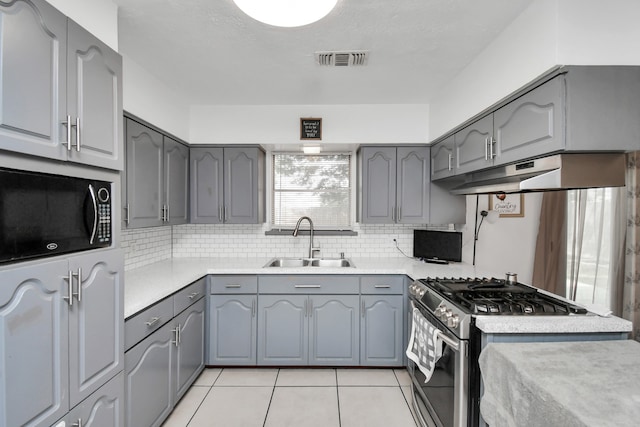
272	229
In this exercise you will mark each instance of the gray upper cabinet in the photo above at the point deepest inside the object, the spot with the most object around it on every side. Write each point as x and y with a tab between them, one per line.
227	185
442	159
472	146
394	185
61	88
65	340
157	178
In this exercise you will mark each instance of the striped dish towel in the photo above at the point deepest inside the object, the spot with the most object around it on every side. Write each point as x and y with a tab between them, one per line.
425	345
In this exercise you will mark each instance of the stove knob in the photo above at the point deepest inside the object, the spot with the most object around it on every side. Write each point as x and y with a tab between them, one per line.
447	315
439	311
453	321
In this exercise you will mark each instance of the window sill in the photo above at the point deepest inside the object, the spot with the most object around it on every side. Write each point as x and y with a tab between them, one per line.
289	232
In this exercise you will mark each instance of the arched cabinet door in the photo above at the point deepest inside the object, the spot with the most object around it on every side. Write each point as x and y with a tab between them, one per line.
207	189
34	385
33	79
472	152
241	177
333	330
176	181
442	159
283	337
378	175
381	330
190	349
233	329
413	185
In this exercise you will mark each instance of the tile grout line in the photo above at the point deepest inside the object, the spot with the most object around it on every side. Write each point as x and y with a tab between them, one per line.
205	396
273	391
409	404
338	398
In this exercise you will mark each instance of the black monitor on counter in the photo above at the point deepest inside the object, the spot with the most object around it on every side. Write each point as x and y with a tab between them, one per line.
437	246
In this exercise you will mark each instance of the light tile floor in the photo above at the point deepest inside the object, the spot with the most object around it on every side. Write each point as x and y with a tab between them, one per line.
265	397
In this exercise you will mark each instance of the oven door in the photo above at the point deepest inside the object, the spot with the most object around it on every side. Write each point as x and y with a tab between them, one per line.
442	401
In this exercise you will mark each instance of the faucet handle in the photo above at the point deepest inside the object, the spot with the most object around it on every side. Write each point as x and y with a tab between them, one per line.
313	251
341	255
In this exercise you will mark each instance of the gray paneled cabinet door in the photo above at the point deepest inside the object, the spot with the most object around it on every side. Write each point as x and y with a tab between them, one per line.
207	190
96	322
189	358
412	194
283	337
233	329
144	176
472	151
34	314
176	184
442	159
379	185
33	74
94	85
381	330
149	379
531	125
241	180
104	408
334	330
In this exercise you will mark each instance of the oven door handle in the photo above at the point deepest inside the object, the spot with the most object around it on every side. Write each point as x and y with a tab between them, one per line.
451	343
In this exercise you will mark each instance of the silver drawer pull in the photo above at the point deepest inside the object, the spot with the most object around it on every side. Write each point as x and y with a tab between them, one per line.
153	321
193	295
308	286
382	286
232	286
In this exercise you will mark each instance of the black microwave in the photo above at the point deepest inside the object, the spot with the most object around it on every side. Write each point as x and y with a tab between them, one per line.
44	215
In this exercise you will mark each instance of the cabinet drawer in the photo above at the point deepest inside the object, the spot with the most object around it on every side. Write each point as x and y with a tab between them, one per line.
187	296
308	284
234	284
142	324
382	285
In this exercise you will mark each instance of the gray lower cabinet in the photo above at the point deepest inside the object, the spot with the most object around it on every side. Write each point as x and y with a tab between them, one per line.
61	88
157	178
394	185
308	330
161	368
382	330
103	408
63	334
232	329
227	185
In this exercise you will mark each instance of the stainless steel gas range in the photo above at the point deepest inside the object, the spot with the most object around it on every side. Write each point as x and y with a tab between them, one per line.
450	306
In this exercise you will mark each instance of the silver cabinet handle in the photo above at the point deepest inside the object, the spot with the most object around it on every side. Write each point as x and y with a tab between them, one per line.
232	286
67	124
362	309
398	216
486	149
126	218
253	308
491	143
78	275
78	423
226	216
382	286
310	308
450	161
69	297
306	312
176	331
153	321
308	286
92	193
167	214
220	213
78	134
193	295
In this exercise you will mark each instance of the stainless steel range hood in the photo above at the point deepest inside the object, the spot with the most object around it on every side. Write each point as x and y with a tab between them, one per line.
556	172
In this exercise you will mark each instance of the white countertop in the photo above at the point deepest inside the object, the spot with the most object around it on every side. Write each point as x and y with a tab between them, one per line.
146	285
582	384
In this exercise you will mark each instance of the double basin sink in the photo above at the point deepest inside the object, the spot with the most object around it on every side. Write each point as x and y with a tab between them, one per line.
309	262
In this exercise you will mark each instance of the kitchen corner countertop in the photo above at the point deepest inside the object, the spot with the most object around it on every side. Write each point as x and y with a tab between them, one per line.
570	384
147	285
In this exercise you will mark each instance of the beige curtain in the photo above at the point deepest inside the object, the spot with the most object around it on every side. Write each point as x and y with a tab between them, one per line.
550	262
631	293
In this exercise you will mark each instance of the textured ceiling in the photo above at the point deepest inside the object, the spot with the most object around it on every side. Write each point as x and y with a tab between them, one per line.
212	53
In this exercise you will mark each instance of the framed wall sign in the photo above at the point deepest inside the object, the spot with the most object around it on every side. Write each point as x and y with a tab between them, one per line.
311	128
507	205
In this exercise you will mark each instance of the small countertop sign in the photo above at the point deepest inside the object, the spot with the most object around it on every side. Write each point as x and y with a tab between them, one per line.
311	128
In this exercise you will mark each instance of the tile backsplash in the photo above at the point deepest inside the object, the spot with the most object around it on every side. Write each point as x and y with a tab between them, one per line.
149	245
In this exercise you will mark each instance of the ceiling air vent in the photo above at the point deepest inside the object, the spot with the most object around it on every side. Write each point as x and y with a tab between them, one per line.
342	59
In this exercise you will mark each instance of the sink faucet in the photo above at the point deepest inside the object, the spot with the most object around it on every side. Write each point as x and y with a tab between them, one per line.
295	234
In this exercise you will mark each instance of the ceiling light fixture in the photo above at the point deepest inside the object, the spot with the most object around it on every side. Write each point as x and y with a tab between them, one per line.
286	13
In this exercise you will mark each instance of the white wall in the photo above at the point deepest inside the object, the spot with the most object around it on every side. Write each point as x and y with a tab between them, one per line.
280	124
150	99
506	245
99	17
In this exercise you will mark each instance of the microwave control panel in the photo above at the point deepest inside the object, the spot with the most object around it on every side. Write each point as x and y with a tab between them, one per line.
103	233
